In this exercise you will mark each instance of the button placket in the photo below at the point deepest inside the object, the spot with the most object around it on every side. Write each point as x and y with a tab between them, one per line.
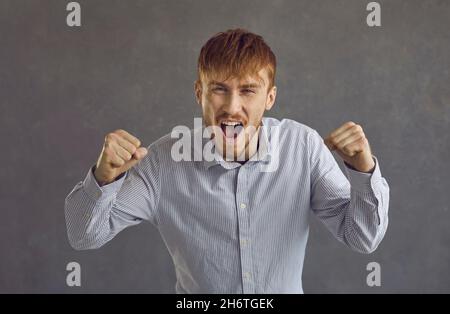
244	231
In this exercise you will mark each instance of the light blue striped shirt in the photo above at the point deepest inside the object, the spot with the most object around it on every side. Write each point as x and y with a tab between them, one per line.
230	227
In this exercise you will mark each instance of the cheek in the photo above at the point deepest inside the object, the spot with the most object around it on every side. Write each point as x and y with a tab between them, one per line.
208	112
256	106
210	106
213	102
209	99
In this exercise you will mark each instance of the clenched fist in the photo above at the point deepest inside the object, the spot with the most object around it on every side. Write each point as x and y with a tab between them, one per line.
351	144
120	152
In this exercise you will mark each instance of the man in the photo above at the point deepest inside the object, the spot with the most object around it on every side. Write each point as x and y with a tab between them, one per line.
229	225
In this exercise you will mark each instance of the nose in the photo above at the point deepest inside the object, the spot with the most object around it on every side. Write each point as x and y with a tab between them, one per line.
232	104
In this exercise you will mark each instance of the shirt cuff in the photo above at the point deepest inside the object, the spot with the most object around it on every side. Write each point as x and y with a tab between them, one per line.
363	180
96	192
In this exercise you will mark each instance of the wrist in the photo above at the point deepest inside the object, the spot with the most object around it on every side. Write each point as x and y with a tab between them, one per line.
101	182
366	168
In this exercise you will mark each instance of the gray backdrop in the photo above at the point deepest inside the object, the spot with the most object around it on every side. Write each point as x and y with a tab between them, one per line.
132	65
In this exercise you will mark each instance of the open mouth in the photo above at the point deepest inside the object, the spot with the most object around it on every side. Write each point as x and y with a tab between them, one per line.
231	129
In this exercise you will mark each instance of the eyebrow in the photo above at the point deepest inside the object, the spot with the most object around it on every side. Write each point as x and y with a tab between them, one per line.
249	85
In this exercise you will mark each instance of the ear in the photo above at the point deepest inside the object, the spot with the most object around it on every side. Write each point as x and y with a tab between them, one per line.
198	91
271	97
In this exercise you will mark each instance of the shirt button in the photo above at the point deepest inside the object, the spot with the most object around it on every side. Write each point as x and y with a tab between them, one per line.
244	242
243	206
247	275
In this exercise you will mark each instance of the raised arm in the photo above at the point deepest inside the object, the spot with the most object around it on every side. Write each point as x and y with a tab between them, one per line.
353	208
121	190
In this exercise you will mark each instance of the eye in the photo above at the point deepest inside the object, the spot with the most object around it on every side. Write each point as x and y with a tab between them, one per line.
248	91
218	89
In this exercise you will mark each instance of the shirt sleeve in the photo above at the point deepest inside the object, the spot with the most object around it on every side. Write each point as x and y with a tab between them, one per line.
95	214
353	208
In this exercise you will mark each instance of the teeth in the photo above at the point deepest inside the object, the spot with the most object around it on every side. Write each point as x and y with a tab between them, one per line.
232	123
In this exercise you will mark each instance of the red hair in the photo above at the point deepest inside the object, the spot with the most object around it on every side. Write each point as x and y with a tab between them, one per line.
236	53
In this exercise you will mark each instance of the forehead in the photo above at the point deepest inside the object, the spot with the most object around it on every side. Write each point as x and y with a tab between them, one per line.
262	80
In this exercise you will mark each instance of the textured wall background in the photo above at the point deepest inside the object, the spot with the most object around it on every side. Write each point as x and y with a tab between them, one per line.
132	65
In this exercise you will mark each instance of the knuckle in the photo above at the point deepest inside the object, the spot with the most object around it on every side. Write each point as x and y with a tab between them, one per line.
110	137
108	151
107	160
119	162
